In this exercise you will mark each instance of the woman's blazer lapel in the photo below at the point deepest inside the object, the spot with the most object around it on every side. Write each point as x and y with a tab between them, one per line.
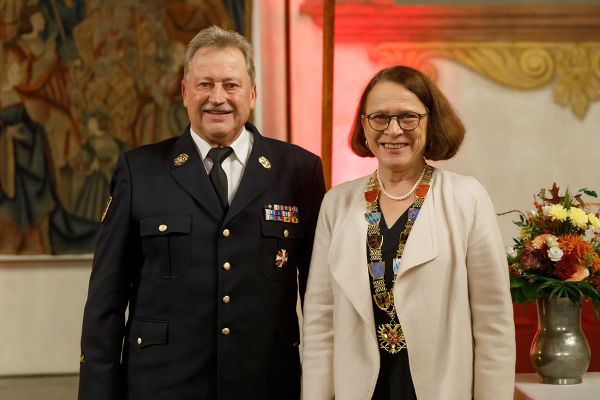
348	260
422	245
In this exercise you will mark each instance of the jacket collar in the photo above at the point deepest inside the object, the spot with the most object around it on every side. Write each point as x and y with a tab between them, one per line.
192	176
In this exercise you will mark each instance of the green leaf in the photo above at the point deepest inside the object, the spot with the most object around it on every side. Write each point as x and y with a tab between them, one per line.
530	291
589	192
521	290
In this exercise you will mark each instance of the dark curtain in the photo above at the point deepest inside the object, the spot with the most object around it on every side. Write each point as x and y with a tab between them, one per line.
237	12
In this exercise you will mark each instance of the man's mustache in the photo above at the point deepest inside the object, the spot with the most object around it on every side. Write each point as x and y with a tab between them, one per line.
216	108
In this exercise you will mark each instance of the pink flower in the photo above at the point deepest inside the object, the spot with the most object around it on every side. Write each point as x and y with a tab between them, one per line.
580	274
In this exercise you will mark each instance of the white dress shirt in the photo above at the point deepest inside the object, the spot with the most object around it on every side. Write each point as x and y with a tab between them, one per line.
234	164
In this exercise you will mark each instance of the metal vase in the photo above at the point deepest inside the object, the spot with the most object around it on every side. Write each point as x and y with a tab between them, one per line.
560	352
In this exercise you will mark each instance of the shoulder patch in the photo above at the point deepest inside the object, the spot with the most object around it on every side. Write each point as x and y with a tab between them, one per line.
105	210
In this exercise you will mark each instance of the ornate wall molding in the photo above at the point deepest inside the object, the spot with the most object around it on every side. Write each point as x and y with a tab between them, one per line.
522	47
572	68
376	21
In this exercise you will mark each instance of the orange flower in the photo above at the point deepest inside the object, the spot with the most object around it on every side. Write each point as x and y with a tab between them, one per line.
575	246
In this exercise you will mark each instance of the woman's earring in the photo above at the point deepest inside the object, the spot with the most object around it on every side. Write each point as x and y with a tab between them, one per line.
366	143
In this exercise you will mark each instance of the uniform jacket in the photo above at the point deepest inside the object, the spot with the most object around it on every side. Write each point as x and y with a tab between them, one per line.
451	292
168	252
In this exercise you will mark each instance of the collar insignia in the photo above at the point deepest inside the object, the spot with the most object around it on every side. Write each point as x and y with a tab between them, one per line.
264	162
180	159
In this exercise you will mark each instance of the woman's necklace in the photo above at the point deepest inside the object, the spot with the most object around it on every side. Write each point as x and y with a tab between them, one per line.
390	336
404	196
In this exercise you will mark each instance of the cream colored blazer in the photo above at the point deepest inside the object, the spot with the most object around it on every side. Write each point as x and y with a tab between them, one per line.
452	295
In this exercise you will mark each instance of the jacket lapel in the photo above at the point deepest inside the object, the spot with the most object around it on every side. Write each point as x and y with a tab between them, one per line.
421	245
192	177
350	270
257	176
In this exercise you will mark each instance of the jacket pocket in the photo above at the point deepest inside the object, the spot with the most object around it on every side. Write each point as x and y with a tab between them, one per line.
281	245
147	358
146	332
166	245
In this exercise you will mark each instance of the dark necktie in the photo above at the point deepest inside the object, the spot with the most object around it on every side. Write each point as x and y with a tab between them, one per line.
217	175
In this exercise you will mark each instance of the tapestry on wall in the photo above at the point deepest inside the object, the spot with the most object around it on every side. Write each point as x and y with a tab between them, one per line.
83	81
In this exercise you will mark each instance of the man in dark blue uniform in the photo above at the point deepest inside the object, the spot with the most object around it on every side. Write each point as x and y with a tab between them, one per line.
207	239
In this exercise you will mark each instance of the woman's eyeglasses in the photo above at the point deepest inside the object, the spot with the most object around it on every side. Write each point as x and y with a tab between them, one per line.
408	121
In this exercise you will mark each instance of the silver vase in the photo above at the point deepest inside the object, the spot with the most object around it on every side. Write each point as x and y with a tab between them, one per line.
560	352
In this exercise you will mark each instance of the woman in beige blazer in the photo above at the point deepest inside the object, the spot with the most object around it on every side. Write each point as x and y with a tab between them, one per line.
408	293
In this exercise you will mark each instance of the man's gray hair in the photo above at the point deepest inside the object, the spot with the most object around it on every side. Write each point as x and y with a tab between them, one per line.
219	38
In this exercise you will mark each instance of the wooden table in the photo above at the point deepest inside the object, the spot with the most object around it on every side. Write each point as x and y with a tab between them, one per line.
528	387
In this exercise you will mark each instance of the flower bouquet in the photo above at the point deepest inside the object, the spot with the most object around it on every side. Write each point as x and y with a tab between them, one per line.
557	253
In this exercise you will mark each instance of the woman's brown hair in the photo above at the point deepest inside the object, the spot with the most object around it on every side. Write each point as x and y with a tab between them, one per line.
445	130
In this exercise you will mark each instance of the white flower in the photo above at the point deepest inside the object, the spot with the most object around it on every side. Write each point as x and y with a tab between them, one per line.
545	210
555	253
551	241
511	252
533	213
